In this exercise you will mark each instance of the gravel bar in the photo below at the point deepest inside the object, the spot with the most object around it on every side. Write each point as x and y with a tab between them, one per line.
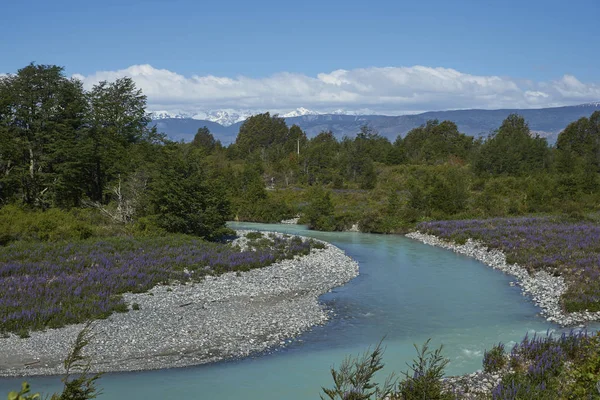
228	316
544	288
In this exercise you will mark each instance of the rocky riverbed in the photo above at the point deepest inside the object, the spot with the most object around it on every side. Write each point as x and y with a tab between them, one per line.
544	289
228	316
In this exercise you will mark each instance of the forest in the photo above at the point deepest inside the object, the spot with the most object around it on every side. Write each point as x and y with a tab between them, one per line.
95	156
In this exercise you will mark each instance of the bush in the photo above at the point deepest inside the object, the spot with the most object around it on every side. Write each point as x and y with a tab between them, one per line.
51	225
354	379
319	212
423	380
494	360
253	235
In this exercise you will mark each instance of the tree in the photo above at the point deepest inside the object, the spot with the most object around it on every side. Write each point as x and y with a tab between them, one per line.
512	150
118	120
436	142
580	139
184	198
261	132
319	212
41	116
204	140
320	158
296	140
369	142
397	154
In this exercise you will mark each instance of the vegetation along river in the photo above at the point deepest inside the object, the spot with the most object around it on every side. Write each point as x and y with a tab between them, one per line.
406	291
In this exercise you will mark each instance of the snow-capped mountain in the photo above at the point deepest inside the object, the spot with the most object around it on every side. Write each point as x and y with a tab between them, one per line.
225	124
221	117
592	104
228	117
298	112
156	115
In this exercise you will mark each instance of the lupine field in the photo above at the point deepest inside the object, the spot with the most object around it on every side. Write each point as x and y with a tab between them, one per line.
54	284
571	249
548	367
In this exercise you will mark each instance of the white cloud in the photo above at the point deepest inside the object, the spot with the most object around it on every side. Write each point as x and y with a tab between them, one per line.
387	90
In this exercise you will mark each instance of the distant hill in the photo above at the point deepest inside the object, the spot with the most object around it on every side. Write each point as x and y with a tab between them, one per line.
547	122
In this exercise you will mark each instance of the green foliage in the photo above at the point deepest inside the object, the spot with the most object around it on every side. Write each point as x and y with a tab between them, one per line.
205	140
183	198
354	379
254	235
42	114
82	386
320	158
118	121
438	192
580	140
423	380
262	133
494	360
251	201
319	212
51	225
512	150
373	222
23	393
581	381
435	143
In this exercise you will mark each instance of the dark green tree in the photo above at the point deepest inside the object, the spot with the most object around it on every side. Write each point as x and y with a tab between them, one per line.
183	198
41	116
262	133
512	150
118	120
205	140
320	158
397	154
435	143
319	211
580	140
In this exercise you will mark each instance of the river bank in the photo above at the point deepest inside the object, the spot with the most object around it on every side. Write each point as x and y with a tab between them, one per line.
544	288
228	316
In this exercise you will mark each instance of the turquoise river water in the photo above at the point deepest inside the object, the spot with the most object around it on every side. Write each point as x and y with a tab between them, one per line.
406	291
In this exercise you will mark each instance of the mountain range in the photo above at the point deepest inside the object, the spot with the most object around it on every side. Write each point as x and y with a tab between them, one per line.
225	124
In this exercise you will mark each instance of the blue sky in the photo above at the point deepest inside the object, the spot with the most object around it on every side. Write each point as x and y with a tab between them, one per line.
532	44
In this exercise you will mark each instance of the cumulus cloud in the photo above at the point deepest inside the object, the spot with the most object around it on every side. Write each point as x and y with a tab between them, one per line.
386	90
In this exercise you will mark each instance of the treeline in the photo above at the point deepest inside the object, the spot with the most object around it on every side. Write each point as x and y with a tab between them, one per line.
434	172
67	148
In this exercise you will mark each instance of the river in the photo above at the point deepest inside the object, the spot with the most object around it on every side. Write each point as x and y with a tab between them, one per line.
406	291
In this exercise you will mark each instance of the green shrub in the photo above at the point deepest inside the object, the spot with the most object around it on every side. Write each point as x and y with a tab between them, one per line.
373	222
354	379
495	359
319	212
581	381
78	383
423	380
22	394
254	235
51	225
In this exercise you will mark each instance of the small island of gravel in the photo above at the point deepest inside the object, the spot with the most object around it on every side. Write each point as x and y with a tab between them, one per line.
227	316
